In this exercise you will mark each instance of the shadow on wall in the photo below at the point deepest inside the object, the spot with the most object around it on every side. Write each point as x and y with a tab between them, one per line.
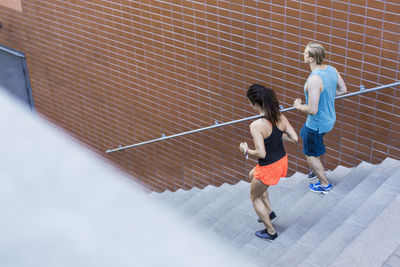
62	205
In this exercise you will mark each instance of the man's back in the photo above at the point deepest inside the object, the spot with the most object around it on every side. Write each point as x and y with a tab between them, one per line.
325	118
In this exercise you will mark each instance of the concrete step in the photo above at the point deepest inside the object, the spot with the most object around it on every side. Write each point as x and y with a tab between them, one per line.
280	204
376	243
339	227
227	199
298	218
208	195
230	225
181	196
281	197
342	225
175	199
276	193
284	195
284	198
393	260
159	196
245	211
328	213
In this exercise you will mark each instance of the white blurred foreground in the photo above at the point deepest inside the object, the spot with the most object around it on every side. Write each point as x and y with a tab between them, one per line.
61	205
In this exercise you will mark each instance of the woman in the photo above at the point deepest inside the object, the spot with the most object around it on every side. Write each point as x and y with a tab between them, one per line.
268	133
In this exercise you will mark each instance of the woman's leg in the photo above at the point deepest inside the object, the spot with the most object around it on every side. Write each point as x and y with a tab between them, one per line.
267	203
251	174
257	191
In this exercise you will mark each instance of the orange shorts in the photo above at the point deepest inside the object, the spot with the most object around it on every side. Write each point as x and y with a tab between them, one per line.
270	174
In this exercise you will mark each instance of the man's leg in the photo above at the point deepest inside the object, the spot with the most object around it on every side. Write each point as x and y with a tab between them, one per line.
317	167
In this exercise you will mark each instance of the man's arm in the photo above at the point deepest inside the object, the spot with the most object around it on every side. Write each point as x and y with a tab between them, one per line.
314	89
341	86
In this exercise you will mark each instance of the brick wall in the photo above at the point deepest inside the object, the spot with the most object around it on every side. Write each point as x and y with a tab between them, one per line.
119	72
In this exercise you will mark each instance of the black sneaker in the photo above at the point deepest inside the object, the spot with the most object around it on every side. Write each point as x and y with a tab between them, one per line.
312	175
272	217
264	234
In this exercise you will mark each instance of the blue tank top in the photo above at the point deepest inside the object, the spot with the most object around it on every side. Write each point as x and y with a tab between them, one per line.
325	118
273	147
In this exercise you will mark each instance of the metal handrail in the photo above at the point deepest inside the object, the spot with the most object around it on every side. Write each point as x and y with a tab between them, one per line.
216	125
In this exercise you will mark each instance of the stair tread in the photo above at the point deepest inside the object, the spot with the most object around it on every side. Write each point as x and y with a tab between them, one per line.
221	203
293	229
347	221
285	224
333	226
367	249
322	218
296	190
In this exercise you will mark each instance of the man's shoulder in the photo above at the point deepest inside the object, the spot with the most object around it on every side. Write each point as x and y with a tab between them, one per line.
331	67
317	74
314	78
314	84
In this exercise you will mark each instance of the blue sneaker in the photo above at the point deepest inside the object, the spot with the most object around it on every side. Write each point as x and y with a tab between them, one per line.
264	234
311	175
318	188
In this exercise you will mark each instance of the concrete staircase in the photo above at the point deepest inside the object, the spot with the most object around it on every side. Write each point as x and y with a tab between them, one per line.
356	224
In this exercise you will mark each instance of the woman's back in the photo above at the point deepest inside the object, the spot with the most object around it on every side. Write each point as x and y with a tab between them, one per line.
272	140
266	126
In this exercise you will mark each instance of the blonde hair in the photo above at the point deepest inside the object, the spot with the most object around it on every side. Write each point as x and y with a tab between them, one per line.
316	51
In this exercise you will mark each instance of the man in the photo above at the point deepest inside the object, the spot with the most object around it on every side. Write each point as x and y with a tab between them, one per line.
320	89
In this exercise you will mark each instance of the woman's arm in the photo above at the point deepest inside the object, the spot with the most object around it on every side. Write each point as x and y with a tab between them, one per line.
258	140
289	132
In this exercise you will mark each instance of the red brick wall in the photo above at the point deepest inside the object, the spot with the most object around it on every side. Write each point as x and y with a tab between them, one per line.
119	72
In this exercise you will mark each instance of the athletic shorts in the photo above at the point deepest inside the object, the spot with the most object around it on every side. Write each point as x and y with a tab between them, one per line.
270	174
313	142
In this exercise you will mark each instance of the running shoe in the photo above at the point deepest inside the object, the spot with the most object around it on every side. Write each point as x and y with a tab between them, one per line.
272	217
264	234
318	188
311	175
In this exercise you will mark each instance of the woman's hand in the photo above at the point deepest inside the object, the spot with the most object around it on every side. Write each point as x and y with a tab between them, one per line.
243	147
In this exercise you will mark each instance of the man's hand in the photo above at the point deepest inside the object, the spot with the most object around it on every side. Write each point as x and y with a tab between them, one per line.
297	103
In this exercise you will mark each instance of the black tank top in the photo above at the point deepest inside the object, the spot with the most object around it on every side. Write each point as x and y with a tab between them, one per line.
273	147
